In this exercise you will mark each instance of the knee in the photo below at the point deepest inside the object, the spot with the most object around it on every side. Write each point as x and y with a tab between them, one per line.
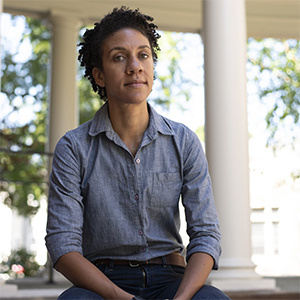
209	292
78	293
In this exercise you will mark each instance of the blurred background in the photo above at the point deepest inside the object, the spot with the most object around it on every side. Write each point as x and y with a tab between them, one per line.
273	105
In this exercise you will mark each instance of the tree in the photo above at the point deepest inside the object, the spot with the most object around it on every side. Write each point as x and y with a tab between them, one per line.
22	140
172	85
276	68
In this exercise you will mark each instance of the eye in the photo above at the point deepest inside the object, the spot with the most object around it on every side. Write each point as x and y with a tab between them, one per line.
144	55
119	58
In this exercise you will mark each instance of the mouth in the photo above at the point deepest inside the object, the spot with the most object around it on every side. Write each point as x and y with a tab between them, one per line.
135	83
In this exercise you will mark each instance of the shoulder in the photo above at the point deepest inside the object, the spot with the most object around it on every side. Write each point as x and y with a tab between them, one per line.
170	127
84	132
80	133
185	140
74	142
182	132
179	128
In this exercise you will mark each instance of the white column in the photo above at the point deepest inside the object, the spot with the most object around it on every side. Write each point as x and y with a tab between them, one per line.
64	108
226	138
64	113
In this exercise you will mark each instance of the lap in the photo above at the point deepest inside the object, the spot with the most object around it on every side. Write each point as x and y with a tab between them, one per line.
207	292
161	283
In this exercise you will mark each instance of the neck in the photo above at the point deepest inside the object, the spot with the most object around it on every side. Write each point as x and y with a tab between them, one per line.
130	123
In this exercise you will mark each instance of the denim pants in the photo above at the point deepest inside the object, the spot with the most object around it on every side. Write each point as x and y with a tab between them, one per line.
147	281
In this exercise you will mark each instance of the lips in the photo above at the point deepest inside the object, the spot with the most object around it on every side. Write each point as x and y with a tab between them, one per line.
135	83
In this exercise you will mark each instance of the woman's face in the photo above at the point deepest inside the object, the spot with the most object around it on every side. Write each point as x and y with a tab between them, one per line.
128	67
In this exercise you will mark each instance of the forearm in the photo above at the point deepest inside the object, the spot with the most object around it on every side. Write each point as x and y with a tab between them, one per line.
83	273
195	275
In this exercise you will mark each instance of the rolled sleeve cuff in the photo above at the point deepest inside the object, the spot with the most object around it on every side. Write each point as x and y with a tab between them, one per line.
58	247
203	246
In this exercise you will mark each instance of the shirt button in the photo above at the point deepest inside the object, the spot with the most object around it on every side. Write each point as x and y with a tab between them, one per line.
136	197
143	249
141	232
137	160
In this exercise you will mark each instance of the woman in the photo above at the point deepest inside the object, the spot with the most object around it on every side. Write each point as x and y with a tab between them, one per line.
113	219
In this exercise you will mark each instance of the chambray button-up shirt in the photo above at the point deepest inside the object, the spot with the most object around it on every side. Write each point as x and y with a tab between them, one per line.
105	203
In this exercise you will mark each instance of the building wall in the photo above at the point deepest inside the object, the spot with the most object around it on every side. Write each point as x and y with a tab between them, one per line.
275	210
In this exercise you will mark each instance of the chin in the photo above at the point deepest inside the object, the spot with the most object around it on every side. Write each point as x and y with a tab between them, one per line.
137	99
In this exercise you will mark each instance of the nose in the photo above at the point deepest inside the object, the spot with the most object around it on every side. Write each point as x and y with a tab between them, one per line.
134	66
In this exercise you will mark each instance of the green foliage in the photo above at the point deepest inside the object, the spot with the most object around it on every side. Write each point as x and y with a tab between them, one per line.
295	175
20	263
276	65
201	133
89	101
22	137
171	86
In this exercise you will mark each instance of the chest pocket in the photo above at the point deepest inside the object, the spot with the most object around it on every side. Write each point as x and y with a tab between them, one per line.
166	189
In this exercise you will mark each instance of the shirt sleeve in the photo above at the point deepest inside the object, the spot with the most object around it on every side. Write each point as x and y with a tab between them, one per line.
197	198
65	207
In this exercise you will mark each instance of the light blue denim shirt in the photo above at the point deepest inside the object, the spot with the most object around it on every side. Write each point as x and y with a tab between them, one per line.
105	203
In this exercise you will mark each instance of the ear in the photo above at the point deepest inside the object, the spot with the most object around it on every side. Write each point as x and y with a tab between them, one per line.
98	76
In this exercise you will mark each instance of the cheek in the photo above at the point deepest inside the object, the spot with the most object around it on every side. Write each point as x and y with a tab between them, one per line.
151	78
111	71
151	82
112	80
150	72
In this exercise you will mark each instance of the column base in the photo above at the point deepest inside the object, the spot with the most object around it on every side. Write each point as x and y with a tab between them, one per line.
239	275
239	284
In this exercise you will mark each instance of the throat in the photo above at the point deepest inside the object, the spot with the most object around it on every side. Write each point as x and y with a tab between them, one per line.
132	144
130	123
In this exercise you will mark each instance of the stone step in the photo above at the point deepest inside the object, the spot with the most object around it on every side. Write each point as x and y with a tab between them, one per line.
256	295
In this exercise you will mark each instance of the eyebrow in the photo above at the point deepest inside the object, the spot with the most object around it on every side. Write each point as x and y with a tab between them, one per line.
123	49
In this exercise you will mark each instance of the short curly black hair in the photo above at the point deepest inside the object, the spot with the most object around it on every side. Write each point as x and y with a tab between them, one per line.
90	53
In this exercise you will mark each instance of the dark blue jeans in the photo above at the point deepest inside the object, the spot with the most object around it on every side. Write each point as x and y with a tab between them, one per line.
147	281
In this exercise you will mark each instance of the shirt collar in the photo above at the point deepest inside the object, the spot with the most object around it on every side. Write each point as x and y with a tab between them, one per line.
157	123
101	121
